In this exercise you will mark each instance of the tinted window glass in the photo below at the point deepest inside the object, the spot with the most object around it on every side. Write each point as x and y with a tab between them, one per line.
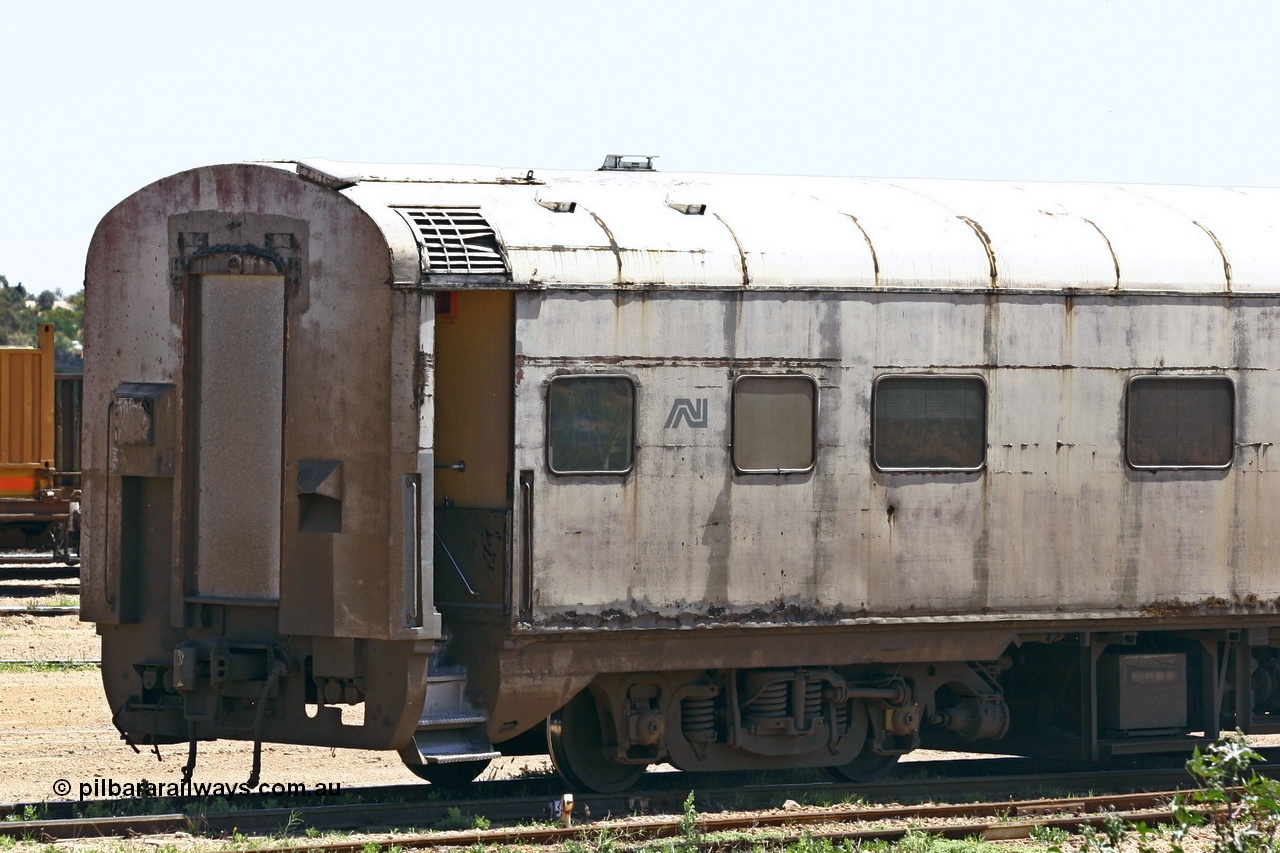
1181	422
589	424
930	423
773	418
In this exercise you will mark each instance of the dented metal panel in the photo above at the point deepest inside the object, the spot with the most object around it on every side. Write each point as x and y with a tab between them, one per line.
547	248
147	261
1054	523
1156	247
1241	222
791	239
260	303
628	228
653	244
1035	242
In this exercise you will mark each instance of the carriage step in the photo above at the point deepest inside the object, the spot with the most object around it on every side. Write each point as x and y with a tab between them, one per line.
459	757
451	721
446	675
448	746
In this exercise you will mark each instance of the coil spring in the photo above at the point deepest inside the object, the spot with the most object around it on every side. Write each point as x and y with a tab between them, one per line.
770	704
812	700
842	717
697	719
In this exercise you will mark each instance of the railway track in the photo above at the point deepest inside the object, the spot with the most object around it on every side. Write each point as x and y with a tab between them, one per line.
38	610
28	581
17	562
512	802
9	572
989	821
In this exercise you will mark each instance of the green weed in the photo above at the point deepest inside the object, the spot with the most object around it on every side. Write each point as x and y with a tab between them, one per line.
823	845
689	832
1052	836
454	819
29	812
1244	808
47	666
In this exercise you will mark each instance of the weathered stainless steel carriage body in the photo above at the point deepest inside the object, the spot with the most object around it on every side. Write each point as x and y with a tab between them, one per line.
1054	296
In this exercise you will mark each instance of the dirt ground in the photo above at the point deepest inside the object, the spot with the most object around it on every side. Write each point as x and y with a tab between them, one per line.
56	725
46	638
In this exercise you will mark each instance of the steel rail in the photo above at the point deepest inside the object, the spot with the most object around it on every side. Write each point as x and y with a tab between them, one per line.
10	610
633	832
38	573
27	559
49	662
37	587
1044	812
982	776
513	809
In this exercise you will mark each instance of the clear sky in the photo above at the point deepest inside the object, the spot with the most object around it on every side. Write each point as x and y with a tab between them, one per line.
100	99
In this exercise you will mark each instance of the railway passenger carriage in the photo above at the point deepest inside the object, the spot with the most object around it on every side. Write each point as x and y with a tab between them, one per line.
723	471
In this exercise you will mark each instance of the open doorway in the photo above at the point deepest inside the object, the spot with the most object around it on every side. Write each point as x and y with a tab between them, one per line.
473	449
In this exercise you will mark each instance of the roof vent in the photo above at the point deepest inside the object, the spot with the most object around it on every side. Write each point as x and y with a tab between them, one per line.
628	163
456	241
322	172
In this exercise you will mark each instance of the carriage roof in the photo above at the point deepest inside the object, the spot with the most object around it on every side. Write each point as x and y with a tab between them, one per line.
479	226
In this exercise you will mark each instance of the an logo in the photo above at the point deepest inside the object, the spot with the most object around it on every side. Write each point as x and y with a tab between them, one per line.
692	412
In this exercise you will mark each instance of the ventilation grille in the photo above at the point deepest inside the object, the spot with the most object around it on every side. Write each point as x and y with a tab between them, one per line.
456	241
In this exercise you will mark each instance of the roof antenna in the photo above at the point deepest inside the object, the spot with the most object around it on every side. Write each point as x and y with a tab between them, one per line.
628	163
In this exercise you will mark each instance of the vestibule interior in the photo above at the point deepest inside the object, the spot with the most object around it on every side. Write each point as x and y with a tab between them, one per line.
473	449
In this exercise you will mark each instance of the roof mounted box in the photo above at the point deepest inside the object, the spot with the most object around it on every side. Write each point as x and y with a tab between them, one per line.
628	163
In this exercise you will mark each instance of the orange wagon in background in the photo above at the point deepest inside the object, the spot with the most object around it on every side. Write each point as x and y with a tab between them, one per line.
37	506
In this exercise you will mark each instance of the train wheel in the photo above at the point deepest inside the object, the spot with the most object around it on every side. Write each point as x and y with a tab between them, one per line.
576	744
449	775
867	767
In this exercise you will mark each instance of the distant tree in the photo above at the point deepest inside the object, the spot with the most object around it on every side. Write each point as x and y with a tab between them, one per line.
18	321
16	325
67	317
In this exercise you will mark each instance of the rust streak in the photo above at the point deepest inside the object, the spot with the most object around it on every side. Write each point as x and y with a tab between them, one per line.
746	276
1226	263
643	361
986	245
613	243
1114	260
875	259
783	613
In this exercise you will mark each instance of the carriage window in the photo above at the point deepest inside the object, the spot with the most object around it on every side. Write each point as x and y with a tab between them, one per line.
773	424
590	424
929	423
1180	422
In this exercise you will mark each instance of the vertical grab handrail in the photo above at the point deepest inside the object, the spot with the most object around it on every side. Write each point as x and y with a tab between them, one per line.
526	545
412	531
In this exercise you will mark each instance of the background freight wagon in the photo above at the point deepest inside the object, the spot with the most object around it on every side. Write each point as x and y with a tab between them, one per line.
39	445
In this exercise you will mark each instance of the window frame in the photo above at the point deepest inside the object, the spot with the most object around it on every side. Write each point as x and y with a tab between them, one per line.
813	424
546	425
1128	420
986	398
